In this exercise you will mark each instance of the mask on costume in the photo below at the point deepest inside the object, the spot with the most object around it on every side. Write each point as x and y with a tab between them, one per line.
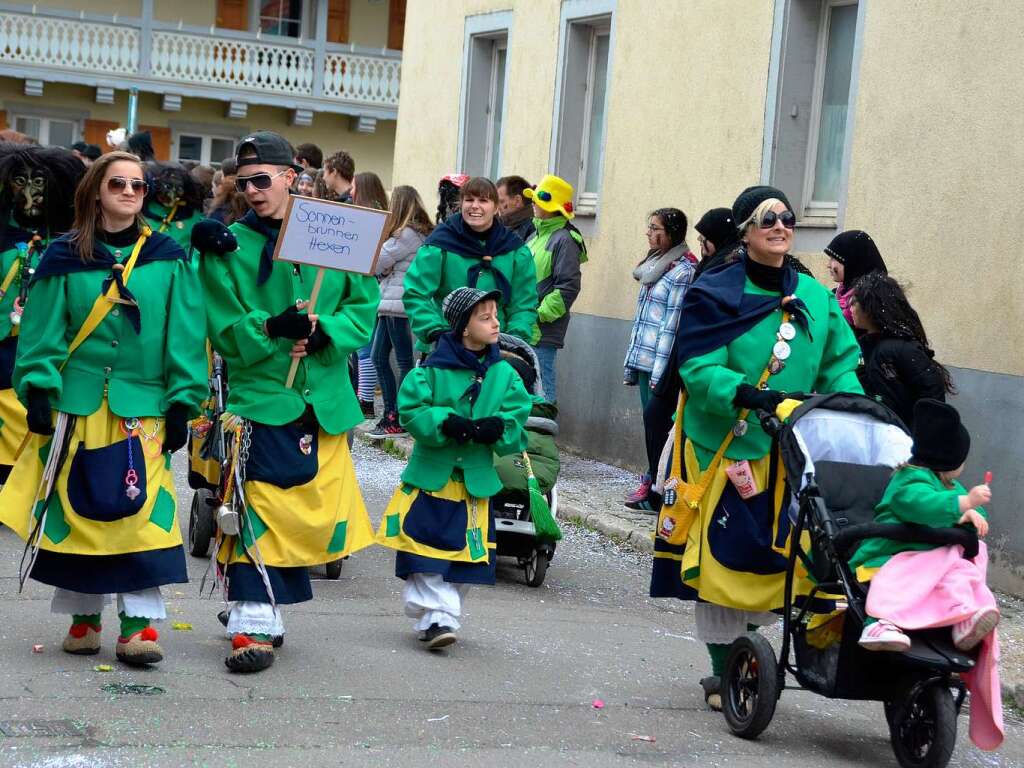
28	191
170	186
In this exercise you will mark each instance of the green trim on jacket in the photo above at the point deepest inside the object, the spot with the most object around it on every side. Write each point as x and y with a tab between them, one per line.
914	495
824	362
258	365
430	395
144	373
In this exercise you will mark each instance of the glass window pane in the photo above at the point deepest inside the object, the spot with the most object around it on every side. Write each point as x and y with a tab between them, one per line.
62	133
281	17
190	148
30	126
497	108
835	99
221	149
595	136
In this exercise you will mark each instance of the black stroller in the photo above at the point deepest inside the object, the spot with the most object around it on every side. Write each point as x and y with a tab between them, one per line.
838	452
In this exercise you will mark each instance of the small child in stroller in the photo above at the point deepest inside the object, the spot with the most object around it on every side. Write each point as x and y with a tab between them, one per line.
918	586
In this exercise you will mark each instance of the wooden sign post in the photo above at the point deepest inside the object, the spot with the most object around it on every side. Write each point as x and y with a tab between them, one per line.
329	235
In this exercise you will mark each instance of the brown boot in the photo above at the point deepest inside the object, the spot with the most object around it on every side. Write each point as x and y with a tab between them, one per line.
140	648
82	640
249	655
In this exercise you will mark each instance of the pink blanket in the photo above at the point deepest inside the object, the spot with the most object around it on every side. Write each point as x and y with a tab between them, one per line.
938	588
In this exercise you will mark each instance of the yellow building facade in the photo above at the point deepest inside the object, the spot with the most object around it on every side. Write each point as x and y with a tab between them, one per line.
899	118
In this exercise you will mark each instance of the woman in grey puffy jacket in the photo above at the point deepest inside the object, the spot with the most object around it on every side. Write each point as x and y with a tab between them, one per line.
409	225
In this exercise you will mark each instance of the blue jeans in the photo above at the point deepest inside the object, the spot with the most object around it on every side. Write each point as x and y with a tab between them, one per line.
391	333
546	358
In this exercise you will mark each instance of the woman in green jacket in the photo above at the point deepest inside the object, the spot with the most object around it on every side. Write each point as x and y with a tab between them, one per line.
37	192
463	406
754	330
472	248
112	340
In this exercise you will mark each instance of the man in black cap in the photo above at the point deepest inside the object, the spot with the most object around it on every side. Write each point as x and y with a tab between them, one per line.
302	503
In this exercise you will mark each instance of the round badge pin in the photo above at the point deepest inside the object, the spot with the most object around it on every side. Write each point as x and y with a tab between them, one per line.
781	350
775	366
739	429
787	331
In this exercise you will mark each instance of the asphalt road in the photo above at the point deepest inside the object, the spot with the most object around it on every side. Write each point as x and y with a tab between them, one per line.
353	687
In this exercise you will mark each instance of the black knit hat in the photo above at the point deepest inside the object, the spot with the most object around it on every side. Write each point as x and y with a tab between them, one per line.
458	305
751	197
718	227
266	148
858	254
941	442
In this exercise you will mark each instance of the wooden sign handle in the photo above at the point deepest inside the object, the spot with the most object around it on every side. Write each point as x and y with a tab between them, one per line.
310	309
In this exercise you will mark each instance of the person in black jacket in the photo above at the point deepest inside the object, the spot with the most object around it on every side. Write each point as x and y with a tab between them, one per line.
899	366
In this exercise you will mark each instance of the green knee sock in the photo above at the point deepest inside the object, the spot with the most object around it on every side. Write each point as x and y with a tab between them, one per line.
92	619
131	624
718	652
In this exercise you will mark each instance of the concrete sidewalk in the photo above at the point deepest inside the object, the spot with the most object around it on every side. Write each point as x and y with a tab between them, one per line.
591	494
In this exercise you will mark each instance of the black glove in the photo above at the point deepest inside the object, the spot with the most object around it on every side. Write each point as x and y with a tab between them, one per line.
209	236
458	428
757	399
318	340
289	325
175	427
39	414
488	430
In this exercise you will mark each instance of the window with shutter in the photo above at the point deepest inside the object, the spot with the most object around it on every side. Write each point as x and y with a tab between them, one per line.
396	24
337	20
232	14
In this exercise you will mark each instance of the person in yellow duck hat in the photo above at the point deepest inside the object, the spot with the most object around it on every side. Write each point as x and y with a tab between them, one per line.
558	253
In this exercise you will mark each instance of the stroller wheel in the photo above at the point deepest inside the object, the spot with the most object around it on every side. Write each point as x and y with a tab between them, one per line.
536	568
750	686
200	524
923	728
333	569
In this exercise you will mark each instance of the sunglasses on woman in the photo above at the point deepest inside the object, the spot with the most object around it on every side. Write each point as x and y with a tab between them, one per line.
788	219
118	184
258	180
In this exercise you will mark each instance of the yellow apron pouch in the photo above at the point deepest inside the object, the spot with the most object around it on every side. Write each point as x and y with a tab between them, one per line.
448	524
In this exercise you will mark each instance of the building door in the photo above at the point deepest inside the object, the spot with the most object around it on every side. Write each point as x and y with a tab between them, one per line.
337	20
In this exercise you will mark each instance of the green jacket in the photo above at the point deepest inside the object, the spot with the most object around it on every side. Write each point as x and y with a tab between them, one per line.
258	365
144	372
558	253
8	259
179	230
429	395
434	274
914	495
826	361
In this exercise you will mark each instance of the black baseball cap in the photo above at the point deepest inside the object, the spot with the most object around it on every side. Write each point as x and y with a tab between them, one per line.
269	148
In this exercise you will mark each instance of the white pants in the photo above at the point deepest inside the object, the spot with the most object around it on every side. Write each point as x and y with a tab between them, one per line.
250	618
431	600
145	604
719	625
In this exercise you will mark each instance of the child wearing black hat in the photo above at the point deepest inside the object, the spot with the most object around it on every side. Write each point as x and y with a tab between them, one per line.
463	406
925	491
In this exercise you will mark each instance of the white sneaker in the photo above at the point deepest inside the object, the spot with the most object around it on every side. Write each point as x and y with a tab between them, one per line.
883	636
969	632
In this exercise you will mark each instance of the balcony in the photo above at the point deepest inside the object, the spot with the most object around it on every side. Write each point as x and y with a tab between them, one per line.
116	52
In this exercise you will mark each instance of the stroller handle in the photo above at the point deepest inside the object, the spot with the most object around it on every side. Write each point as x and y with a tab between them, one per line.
910	533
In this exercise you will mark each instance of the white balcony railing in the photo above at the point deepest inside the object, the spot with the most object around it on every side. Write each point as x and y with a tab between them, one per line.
234	62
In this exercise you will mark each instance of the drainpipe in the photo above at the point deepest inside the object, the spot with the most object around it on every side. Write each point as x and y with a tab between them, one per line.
133	110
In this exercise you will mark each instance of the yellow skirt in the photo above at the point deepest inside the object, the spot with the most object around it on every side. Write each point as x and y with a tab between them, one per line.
448	524
316	522
12	426
736	550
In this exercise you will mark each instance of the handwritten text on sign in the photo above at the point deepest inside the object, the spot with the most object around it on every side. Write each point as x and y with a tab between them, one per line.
331	235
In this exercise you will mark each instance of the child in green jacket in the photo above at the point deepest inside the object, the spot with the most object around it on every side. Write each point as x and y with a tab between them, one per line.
926	492
463	406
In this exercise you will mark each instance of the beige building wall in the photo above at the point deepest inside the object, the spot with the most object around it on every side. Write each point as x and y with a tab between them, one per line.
368	23
109	7
372	152
192	13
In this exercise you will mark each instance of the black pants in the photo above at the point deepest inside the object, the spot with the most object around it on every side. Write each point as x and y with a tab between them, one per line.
658	423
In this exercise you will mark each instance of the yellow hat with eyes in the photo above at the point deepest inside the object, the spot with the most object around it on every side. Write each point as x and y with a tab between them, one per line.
552	194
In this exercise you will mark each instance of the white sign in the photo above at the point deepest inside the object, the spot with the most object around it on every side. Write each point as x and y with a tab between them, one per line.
331	235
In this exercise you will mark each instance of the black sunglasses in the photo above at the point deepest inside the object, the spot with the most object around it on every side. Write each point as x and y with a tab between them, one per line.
120	183
788	219
258	180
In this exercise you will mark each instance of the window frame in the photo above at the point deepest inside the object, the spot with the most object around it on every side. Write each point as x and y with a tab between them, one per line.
205	147
811	208
306	22
599	16
495	30
44	125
